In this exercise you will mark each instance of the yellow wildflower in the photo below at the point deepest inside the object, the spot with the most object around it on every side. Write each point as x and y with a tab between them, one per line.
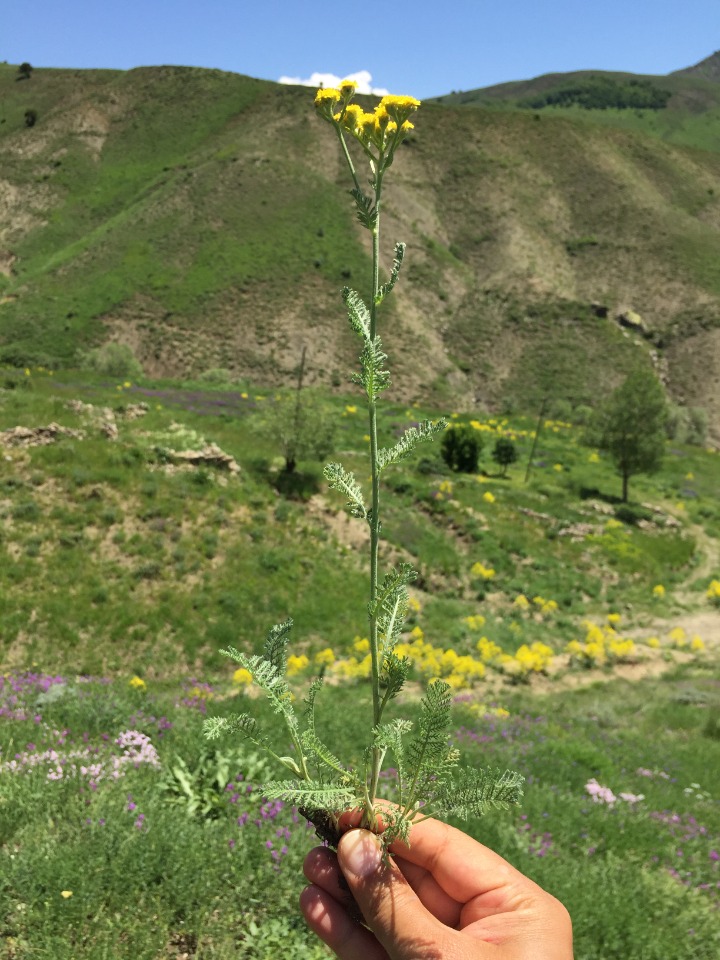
324	658
65	894
479	570
474	621
242	677
521	601
296	664
653	642
659	591
137	683
488	497
614	618
696	644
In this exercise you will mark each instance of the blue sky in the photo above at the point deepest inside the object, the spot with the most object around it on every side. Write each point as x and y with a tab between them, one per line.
424	48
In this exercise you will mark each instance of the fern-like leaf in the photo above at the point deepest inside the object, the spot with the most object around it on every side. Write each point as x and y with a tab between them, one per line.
358	313
312	744
241	724
276	644
313	794
394	673
394	579
366	211
428	755
374	378
473	792
275	686
309	701
389	736
339	478
409	440
394	273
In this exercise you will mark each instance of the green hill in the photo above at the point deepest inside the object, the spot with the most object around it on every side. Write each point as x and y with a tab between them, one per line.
195	215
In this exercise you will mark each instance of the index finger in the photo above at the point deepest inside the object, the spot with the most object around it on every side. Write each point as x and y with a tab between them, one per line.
463	867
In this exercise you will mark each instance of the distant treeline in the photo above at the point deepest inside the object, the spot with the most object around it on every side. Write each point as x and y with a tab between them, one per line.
602	93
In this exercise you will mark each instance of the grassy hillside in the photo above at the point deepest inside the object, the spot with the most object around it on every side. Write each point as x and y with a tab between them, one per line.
576	631
196	216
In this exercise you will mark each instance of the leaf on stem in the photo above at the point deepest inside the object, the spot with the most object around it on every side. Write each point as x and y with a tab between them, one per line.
409	440
276	644
268	678
396	577
374	377
473	792
394	673
429	756
241	723
310	793
339	478
394	273
358	313
366	212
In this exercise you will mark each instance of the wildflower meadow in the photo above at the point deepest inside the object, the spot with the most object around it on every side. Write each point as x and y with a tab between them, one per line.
149	525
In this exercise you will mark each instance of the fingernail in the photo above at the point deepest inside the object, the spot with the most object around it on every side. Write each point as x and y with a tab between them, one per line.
360	853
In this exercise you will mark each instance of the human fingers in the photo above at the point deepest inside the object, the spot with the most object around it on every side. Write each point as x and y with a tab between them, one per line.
330	921
391	908
463	868
321	868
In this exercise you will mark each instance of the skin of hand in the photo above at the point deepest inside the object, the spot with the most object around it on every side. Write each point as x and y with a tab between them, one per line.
445	897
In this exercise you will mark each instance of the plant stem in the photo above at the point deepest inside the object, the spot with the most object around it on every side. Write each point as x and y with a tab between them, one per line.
375	515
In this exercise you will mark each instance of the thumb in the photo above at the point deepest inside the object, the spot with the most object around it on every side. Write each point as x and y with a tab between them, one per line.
389	905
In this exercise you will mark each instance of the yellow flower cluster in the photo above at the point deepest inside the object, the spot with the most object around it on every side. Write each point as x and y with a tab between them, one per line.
602	645
325	658
541	605
297	664
488	497
458	670
489	651
474	622
482	710
658	591
480	570
713	592
137	683
242	677
536	658
382	129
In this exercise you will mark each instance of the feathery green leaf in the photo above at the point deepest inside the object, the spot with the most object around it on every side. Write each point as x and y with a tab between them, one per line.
266	676
409	440
358	313
310	793
473	792
395	671
275	650
366	212
394	273
339	478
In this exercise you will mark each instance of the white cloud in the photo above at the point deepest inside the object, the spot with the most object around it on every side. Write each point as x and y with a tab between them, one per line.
362	78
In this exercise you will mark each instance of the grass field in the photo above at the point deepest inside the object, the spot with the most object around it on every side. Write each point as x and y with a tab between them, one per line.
575	631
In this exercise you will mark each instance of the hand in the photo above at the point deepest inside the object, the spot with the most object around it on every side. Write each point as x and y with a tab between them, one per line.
445	897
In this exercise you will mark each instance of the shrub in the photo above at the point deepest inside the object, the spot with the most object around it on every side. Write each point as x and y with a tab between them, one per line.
113	360
461	448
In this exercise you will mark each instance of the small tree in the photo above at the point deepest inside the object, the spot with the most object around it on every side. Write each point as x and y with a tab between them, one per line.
299	425
631	426
24	71
460	449
30	118
504	453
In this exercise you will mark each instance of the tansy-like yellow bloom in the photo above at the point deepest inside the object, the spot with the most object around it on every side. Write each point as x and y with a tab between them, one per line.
137	683
348	87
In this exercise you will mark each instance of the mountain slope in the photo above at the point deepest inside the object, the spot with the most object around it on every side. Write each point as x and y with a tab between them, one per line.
203	218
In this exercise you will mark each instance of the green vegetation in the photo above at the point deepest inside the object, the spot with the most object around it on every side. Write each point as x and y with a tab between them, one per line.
602	93
631	426
158	221
118	562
